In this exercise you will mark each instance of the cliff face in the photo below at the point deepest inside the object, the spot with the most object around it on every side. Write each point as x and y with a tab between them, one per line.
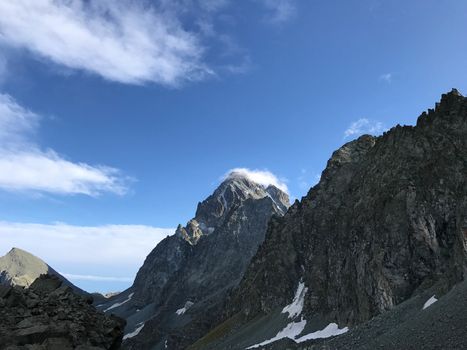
179	292
388	219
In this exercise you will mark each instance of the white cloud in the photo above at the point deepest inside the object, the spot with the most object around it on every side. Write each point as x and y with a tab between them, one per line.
165	42
17	124
73	277
262	177
280	10
124	41
26	167
364	126
387	77
128	41
48	172
108	250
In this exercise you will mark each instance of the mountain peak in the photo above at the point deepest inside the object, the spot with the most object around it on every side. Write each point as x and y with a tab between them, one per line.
455	92
448	112
237	187
449	99
18	251
19	267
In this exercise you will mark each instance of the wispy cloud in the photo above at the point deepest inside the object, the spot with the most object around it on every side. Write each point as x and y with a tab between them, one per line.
24	166
109	250
125	41
130	41
279	11
262	177
387	78
364	126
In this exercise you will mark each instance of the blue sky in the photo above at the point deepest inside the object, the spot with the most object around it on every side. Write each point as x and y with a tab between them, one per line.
130	115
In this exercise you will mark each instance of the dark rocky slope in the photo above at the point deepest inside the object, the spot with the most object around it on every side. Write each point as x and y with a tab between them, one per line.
179	292
410	325
387	221
51	316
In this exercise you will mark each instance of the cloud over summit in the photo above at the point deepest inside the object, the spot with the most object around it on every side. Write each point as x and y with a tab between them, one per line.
261	177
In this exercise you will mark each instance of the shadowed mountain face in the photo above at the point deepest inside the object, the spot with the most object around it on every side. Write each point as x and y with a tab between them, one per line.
387	221
20	268
179	292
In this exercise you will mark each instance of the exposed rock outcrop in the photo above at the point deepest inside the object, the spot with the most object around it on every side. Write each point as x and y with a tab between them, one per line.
51	316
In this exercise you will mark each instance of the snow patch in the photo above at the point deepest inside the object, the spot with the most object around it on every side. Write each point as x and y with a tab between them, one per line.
331	330
274	201
224	201
295	308
120	304
429	302
135	332
292	330
181	311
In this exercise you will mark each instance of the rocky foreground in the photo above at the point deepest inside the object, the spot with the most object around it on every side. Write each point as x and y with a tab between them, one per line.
50	316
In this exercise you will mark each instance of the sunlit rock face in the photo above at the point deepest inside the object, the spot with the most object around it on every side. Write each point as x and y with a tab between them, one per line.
21	268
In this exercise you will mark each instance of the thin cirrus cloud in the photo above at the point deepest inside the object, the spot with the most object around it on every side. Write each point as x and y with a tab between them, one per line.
109	250
279	11
387	78
364	126
124	41
24	166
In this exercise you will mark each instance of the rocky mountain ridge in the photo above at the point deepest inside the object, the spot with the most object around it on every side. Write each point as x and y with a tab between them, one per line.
179	292
387	221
